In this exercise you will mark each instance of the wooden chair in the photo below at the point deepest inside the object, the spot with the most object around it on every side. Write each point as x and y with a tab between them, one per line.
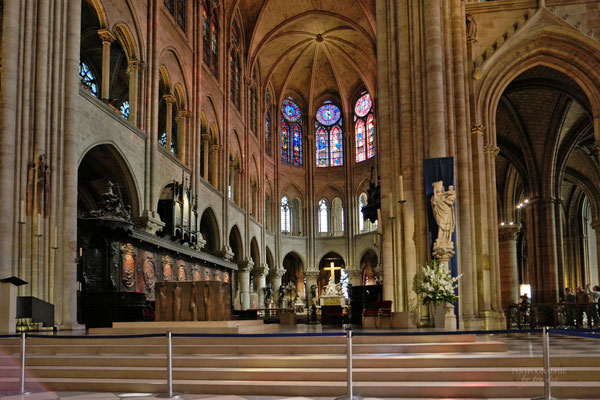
381	312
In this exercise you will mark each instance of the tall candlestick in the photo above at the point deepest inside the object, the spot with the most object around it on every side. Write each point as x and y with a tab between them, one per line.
22	212
401	188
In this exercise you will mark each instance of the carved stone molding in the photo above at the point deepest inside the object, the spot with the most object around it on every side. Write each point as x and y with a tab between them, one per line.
508	232
106	35
491	149
478	129
128	265
280	272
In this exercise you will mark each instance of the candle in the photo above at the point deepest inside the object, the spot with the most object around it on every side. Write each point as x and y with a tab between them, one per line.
22	212
379	221
39	225
80	251
401	187
391	205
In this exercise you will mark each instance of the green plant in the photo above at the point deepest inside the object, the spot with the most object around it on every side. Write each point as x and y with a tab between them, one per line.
437	284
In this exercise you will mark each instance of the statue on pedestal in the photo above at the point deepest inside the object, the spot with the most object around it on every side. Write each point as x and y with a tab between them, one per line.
442	203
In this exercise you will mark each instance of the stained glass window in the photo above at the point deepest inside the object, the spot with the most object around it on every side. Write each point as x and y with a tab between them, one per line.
323	217
364	127
125	109
87	78
329	136
235	67
286	215
177	10
285	143
210	34
322	148
268	123
297	142
291	119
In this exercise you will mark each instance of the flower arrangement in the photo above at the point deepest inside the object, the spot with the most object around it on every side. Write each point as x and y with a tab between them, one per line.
437	285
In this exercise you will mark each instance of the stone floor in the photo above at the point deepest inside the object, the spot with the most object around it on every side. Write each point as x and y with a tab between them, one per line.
518	344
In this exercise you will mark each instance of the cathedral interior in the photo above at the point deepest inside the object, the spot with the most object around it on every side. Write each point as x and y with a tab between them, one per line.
241	140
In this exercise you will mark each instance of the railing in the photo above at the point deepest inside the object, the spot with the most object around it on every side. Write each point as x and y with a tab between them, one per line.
558	315
349	358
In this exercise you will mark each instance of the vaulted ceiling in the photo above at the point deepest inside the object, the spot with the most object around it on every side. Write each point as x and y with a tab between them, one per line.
544	131
312	49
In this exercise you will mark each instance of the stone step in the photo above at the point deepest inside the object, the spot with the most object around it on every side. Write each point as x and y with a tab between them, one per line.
407	389
249	340
90	348
313	374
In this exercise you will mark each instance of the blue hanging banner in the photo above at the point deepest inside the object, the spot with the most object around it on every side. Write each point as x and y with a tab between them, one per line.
439	169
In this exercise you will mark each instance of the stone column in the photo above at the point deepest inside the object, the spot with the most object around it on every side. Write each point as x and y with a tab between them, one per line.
132	72
214	157
596	226
276	276
354	276
205	154
169	99
509	274
244	282
182	136
260	273
68	310
107	39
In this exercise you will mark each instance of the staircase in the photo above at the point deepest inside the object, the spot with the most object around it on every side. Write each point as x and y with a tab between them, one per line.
384	366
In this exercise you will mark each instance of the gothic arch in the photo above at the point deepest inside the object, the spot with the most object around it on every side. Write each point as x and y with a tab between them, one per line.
236	244
102	163
209	229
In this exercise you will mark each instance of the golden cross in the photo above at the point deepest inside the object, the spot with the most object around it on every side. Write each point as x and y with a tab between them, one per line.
332	268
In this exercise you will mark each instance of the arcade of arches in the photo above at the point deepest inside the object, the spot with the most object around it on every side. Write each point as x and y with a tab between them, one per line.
272	116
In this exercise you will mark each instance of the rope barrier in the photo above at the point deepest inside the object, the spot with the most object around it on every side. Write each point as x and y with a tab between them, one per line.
148	335
260	335
9	336
583	334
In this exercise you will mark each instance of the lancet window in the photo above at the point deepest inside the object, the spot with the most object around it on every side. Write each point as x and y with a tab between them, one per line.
364	127
291	133
329	137
268	113
210	34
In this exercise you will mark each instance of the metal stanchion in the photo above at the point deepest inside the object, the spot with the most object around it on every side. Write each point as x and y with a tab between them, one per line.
23	352
546	351
170	394
350	395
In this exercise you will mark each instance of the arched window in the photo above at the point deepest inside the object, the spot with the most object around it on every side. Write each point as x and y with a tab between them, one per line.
323	216
364	226
337	217
124	109
268	212
177	10
364	127
291	129
268	123
235	66
210	34
87	78
253	103
286	215
329	136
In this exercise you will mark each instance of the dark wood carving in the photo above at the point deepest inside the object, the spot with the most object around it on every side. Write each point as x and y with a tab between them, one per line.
193	301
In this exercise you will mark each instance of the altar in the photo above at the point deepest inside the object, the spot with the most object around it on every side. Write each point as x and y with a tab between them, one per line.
193	301
332	300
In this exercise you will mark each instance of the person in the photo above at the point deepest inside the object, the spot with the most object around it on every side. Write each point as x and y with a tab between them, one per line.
592	308
569	305
524	308
582	301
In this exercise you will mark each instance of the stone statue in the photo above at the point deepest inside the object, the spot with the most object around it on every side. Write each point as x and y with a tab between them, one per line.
268	289
442	203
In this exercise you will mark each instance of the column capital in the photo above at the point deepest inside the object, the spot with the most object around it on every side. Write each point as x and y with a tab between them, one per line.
477	129
184	114
106	36
215	147
596	225
279	272
133	65
261	269
169	98
311	274
205	137
491	149
508	232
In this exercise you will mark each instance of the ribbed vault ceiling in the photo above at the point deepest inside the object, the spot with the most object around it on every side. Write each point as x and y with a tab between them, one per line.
313	48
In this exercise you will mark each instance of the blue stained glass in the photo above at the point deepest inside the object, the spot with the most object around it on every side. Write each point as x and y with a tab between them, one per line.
336	146
87	78
322	148
363	105
371	136
163	140
359	129
328	114
290	110
268	133
297	143
125	109
285	143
